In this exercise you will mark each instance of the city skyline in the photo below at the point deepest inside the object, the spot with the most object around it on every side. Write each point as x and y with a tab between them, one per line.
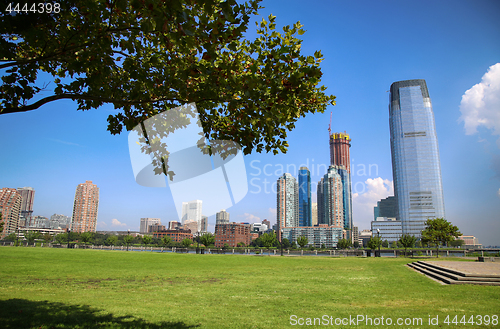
455	51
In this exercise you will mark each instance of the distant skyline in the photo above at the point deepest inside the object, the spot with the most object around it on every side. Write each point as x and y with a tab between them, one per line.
367	45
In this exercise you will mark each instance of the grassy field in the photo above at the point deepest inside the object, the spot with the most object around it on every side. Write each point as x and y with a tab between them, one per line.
59	288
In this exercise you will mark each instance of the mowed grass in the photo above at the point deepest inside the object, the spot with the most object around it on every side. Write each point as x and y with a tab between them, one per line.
60	288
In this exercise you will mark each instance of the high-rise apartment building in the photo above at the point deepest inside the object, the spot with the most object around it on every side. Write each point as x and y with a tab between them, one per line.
10	207
305	211
314	209
341	159
287	203
147	222
85	208
204	224
330	199
28	196
415	156
192	211
222	217
339	150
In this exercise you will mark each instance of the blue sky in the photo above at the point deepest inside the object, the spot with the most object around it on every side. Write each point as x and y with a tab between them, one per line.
367	45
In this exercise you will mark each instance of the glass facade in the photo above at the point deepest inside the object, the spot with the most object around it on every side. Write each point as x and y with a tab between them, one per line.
415	156
305	211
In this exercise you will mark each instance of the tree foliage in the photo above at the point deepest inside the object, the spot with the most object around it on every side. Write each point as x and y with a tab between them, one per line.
457	243
302	241
344	244
87	237
145	57
207	239
31	236
112	240
285	243
439	231
407	241
374	243
268	239
146	239
186	242
166	240
127	239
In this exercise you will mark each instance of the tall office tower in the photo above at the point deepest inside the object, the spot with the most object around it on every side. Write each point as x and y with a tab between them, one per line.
314	210
222	217
204	224
287	203
386	208
330	199
305	211
85	208
340	157
415	156
147	222
192	211
10	208
28	195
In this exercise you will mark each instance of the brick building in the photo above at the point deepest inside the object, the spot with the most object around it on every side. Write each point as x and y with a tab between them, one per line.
10	207
175	235
232	234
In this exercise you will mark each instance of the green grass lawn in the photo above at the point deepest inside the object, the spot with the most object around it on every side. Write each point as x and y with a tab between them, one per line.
60	288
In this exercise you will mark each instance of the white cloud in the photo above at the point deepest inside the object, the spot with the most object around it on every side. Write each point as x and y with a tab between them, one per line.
249	218
101	225
375	190
480	105
116	222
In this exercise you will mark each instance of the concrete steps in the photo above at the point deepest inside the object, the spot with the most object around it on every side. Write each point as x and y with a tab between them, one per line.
451	276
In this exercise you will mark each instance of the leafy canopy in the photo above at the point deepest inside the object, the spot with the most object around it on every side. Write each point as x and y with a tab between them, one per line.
302	241
374	243
207	239
145	57
439	231
344	244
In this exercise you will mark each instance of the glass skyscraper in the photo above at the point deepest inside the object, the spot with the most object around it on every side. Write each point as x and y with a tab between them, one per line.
415	156
305	211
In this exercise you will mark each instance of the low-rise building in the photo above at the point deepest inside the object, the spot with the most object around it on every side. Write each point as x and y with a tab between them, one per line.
232	234
390	229
317	236
175	235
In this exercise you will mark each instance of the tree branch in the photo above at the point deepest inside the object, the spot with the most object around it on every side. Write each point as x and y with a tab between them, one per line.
52	98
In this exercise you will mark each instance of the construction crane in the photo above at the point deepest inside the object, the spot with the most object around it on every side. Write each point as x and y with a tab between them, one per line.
330	125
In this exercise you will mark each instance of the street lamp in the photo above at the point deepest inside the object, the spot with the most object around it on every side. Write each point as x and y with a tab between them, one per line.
281	241
128	234
69	231
198	241
378	236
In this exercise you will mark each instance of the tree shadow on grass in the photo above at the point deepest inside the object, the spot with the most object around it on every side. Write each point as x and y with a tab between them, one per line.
22	313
